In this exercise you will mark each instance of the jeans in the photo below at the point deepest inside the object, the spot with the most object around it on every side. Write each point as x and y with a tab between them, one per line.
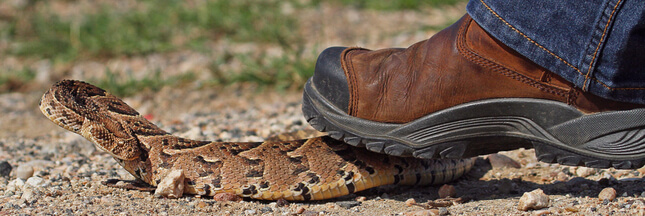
598	45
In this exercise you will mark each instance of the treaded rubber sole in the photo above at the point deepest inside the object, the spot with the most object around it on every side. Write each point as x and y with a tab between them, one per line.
558	132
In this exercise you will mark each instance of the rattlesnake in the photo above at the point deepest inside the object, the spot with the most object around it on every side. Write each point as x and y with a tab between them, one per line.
309	169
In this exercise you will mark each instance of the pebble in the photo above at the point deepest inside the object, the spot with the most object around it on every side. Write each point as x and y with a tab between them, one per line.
24	171
31	194
201	204
35	182
348	204
607	194
171	186
541	212
221	197
15	185
250	212
447	191
561	176
443	211
361	198
641	170
533	200
410	202
585	171
499	161
281	202
428	212
300	210
266	209
610	177
5	169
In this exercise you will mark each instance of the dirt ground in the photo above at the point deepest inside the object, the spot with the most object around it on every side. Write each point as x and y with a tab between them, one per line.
63	171
70	169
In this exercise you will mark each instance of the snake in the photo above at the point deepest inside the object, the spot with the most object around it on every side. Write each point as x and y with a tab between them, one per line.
317	168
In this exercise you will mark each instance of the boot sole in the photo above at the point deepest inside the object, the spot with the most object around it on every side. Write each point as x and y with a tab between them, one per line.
558	132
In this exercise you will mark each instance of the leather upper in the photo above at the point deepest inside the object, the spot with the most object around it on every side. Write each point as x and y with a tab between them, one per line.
460	64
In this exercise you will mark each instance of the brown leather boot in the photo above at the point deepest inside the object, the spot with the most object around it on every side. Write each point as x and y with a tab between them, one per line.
462	93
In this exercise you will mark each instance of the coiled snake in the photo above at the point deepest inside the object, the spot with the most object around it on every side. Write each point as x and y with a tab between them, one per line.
309	169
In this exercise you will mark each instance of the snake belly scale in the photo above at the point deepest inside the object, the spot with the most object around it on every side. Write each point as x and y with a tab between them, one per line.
310	169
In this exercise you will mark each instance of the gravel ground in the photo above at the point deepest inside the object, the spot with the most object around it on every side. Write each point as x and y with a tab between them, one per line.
63	171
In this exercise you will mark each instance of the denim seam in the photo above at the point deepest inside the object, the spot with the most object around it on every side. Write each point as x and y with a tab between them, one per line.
528	38
600	42
616	88
554	55
471	55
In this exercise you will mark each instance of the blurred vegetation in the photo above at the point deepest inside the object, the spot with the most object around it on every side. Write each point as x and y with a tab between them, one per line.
156	28
37	31
393	4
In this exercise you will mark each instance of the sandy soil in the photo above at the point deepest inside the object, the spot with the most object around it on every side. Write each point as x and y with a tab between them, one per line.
70	169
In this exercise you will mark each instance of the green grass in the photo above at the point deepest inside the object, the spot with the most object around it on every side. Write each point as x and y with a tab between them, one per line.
394	4
14	80
159	26
282	72
129	86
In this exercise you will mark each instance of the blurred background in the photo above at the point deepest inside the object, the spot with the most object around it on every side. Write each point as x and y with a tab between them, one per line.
128	46
172	57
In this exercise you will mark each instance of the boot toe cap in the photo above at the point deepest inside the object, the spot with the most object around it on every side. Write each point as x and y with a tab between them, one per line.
329	78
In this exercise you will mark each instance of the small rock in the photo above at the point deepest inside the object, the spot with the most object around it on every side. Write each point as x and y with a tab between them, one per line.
561	176
410	202
610	177
641	170
361	198
282	202
31	194
266	209
443	211
5	169
201	204
428	212
533	200
571	209
35	182
585	171
541	212
300	210
250	212
498	161
24	171
447	191
348	204
15	185
172	185
607	194
221	197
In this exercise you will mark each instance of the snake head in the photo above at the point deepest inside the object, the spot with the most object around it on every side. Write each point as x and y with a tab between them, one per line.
95	114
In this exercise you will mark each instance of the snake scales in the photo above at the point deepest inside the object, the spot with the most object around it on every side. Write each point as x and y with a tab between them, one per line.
309	169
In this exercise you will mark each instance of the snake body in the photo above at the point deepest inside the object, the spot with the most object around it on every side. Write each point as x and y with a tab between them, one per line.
309	169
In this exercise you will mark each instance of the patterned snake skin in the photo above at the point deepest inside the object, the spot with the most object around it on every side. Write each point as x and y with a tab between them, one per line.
309	169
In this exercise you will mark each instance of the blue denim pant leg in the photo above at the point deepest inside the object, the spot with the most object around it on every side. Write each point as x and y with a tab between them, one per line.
597	45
